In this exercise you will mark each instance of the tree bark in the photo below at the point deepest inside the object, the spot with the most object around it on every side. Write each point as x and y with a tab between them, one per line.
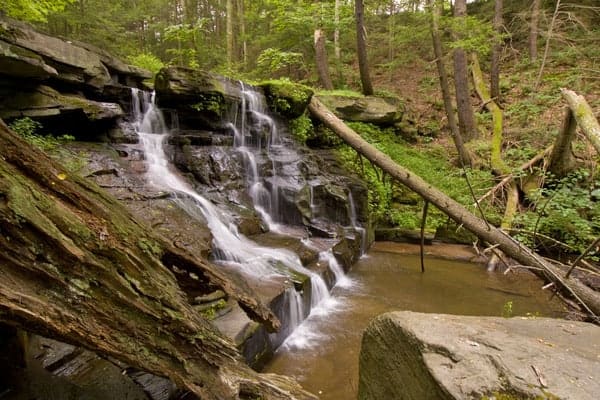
585	116
466	117
561	159
533	29
321	60
547	46
463	153
586	297
361	49
336	32
229	33
77	267
497	164
496	53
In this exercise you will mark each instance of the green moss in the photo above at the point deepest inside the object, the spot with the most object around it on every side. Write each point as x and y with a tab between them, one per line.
150	247
210	313
287	98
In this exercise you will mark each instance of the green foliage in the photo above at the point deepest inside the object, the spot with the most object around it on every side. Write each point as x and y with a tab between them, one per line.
147	61
565	210
28	128
302	128
507	309
210	313
474	35
32	10
390	204
274	62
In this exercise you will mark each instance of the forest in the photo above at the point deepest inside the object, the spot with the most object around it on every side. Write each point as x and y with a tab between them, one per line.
471	122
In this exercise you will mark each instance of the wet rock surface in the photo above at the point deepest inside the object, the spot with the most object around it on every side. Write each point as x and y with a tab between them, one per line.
407	355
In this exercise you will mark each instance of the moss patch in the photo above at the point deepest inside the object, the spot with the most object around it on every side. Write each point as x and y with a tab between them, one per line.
287	98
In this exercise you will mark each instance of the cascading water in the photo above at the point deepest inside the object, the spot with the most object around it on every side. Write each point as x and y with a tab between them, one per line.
354	222
230	248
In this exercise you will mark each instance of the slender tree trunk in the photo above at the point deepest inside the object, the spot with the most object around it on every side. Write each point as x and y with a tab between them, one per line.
242	22
547	46
496	53
361	46
463	154
321	60
561	158
585	296
533	29
391	40
229	29
336	32
496	162
466	117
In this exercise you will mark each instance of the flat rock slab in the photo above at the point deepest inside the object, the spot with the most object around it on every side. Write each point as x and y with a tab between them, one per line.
408	355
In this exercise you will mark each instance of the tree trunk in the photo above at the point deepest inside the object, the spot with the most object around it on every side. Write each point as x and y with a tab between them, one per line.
463	153
496	53
585	117
242	22
77	267
497	164
510	210
336	32
533	29
361	49
466	118
547	46
586	297
321	60
229	33
561	158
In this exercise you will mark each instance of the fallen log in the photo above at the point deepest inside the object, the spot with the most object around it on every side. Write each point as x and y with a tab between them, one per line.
584	115
77	267
586	297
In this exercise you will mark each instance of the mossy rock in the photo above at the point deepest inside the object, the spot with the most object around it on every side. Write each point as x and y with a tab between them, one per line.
378	110
287	98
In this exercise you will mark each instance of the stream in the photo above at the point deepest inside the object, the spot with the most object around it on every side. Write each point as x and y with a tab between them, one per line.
386	280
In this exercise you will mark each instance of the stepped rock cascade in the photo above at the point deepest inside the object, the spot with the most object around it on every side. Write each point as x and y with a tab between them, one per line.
256	139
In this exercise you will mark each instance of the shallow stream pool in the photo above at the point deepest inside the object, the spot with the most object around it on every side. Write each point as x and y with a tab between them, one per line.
323	353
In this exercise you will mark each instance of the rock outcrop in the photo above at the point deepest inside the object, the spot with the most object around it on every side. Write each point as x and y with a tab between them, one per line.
407	355
384	111
69	87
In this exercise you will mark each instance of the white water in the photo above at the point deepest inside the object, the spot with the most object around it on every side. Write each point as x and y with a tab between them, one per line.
354	222
230	247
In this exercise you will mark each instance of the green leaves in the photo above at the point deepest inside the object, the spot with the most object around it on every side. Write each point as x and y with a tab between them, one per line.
32	10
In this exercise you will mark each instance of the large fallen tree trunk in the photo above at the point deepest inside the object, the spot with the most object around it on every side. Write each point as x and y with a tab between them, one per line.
586	297
585	117
77	267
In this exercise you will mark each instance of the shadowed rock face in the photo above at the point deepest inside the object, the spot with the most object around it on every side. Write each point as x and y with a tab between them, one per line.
407	355
69	87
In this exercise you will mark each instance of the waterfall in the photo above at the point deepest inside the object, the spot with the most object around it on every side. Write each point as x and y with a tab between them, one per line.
354	223
230	248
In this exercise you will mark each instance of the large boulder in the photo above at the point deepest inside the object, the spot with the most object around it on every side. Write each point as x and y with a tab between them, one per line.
385	111
407	355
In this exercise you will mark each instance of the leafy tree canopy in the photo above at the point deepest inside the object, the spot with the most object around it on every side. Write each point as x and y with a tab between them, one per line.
32	10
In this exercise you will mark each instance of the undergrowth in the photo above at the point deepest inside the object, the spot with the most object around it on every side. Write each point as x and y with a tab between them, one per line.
389	202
